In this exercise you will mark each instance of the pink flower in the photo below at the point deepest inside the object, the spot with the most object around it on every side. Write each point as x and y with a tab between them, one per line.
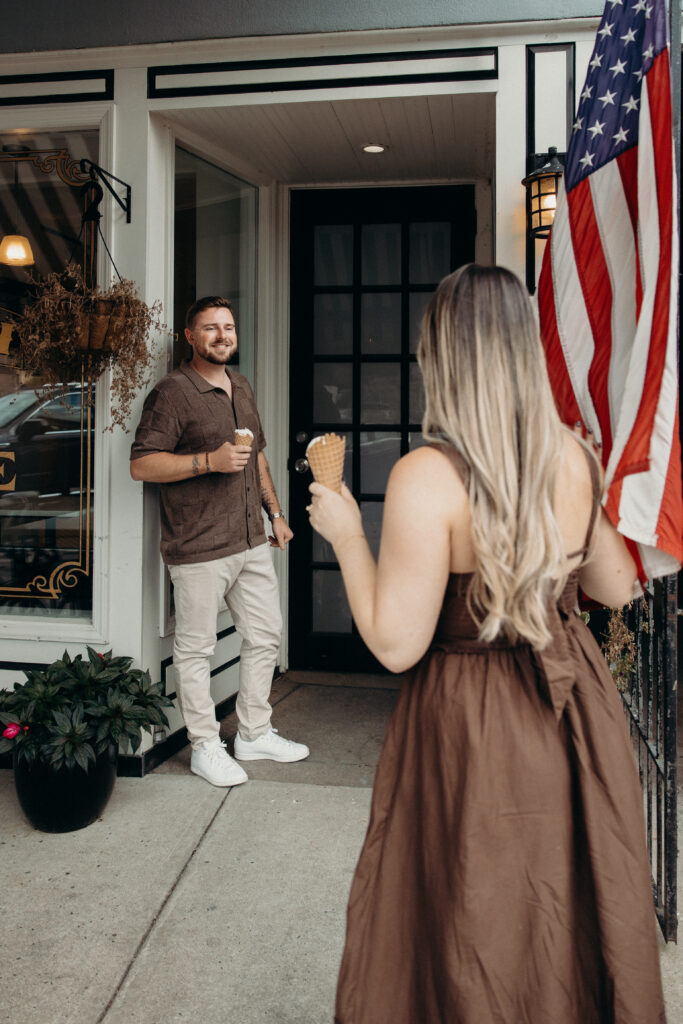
11	731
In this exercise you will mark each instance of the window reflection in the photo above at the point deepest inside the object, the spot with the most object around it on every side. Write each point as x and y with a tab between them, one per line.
378	453
331	612
380	323
332	394
46	502
380	391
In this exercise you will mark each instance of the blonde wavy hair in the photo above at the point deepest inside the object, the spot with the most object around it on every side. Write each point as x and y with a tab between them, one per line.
487	394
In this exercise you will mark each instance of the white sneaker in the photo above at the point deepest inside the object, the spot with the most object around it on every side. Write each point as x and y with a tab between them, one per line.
269	747
214	764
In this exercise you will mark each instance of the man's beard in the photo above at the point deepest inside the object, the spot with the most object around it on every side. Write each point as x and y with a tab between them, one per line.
220	360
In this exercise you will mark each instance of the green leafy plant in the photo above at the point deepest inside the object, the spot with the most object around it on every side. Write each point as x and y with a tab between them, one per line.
69	712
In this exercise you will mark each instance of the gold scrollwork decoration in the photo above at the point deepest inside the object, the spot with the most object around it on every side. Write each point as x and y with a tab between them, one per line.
48	161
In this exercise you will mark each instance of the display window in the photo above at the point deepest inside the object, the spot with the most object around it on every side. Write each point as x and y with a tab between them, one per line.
46	440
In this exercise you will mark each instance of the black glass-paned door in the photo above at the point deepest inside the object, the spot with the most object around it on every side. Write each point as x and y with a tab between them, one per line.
364	263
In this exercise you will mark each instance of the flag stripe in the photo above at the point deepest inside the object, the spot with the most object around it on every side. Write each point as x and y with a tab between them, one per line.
655	216
558	371
597	299
618	243
571	323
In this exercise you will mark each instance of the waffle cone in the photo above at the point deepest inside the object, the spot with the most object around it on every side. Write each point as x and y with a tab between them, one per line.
326	458
242	437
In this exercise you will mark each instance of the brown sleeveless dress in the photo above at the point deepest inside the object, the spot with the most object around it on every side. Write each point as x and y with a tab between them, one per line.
504	877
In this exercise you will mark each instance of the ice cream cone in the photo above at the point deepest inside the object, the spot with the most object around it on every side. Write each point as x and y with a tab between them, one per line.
325	456
244	436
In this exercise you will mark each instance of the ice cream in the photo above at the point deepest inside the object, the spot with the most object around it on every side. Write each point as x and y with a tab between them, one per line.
244	436
325	456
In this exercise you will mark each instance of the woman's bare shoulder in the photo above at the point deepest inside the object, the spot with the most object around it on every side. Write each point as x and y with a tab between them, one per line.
428	471
576	458
574	495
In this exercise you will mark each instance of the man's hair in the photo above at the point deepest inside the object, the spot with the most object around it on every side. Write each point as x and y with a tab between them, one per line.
208	302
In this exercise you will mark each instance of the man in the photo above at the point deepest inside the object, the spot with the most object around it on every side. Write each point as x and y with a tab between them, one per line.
213	540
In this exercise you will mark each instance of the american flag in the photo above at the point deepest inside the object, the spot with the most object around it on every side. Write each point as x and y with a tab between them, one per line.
608	290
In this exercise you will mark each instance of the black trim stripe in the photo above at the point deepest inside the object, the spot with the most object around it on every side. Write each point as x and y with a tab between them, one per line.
20	666
106	93
228	631
239	88
214	672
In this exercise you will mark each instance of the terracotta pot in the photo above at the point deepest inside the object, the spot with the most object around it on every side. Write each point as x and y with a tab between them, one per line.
83	334
99	323
66	799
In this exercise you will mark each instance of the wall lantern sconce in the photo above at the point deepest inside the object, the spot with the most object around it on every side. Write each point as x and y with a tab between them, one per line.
15	249
544	171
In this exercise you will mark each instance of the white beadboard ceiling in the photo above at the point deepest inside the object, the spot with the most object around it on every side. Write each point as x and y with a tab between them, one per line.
427	137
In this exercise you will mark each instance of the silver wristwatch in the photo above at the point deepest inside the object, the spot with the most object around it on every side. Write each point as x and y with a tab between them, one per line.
276	515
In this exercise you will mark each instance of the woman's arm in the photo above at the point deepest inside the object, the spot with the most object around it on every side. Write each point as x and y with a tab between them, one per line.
610	573
396	602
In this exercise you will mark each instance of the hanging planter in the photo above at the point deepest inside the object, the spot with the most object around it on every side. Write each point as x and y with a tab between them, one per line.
72	332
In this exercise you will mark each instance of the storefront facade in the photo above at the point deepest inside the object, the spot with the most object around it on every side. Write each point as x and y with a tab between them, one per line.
244	153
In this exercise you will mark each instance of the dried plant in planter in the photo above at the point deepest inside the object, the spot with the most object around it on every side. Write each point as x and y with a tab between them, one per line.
71	332
619	648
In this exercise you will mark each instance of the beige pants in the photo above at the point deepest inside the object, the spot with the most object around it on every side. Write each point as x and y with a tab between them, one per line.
247	584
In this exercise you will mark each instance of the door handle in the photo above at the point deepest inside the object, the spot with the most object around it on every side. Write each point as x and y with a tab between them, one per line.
301	465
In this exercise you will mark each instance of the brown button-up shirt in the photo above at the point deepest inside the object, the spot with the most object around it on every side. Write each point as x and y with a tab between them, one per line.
213	514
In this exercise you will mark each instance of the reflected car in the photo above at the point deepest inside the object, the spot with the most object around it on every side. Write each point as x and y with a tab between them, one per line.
40	442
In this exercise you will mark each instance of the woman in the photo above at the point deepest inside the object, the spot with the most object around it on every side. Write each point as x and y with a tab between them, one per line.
504	876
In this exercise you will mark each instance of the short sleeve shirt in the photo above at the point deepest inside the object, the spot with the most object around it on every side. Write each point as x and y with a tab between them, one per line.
210	515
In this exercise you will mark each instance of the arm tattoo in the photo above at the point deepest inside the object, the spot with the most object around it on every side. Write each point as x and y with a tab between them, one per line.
195	465
268	495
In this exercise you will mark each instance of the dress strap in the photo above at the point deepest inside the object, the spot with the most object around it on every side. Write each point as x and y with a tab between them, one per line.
596	484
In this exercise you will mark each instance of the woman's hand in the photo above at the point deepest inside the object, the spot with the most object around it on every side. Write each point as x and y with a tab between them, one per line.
336	517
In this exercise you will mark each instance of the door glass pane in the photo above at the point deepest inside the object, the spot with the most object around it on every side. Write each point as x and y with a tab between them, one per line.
380	323
333	255
416	440
215	249
381	254
331	612
430	252
418	304
333	325
332	397
371	514
378	453
417	395
380	393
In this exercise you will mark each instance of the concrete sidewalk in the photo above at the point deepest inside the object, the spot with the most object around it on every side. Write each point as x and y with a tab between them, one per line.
190	903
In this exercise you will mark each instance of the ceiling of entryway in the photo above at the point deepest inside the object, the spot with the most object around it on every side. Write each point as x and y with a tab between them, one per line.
427	138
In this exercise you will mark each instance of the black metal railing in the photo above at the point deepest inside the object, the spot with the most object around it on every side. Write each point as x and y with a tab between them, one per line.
649	697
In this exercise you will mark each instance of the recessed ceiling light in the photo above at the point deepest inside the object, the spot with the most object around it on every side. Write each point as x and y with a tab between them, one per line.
374	147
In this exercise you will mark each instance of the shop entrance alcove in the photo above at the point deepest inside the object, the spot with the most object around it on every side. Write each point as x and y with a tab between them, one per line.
293	149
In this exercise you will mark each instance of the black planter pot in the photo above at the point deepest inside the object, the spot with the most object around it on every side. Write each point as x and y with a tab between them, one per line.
66	799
